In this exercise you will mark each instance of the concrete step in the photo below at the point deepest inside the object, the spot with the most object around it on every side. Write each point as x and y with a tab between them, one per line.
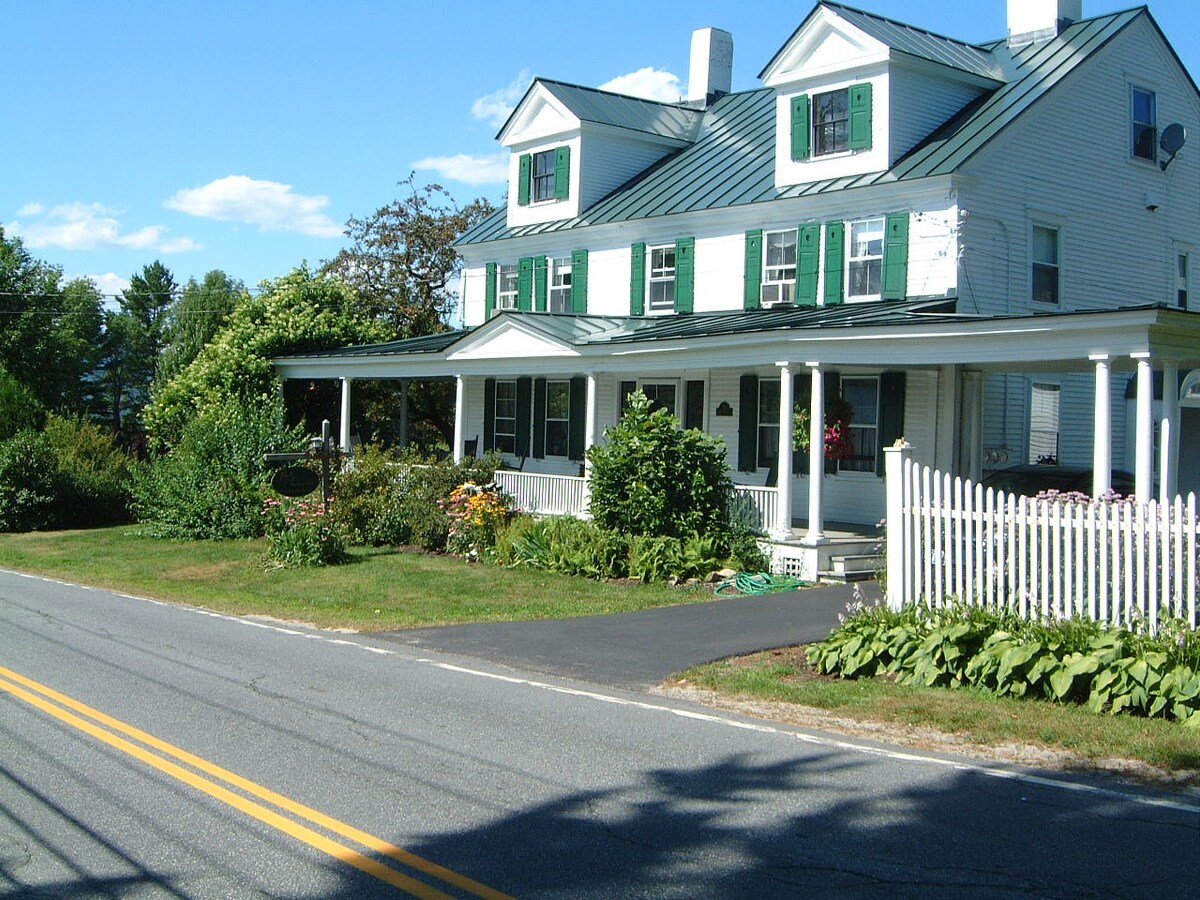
852	567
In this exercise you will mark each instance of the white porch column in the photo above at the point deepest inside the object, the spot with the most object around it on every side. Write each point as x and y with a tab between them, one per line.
589	423
816	458
1143	471
783	479
1102	417
894	459
1168	471
403	412
344	424
460	416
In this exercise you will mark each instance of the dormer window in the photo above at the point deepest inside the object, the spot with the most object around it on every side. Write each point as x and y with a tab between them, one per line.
831	122
544	176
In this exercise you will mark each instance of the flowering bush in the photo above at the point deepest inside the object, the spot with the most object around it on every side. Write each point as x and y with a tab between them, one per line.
476	513
300	533
838	443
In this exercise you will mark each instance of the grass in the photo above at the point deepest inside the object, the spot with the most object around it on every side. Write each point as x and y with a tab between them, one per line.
379	589
973	716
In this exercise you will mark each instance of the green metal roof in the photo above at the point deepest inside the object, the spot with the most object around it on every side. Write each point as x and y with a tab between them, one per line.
430	343
620	111
908	39
732	161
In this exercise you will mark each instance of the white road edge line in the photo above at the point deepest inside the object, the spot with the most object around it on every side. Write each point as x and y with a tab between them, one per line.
817	740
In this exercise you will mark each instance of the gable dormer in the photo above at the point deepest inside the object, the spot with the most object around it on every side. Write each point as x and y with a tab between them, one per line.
570	146
854	92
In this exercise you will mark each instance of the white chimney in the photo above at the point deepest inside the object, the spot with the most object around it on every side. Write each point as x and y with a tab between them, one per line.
711	70
1039	20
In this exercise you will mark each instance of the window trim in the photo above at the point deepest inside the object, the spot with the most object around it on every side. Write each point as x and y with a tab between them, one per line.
565	383
556	265
507	299
497	418
651	280
1029	431
786	286
870	259
816	127
855	424
1135	125
1182	283
537	182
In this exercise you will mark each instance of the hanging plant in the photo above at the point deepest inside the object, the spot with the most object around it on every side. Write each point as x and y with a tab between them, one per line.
838	414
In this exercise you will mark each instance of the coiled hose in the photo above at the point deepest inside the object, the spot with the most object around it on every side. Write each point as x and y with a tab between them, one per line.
753	584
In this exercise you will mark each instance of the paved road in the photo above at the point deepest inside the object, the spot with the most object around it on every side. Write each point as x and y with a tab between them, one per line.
284	762
640	649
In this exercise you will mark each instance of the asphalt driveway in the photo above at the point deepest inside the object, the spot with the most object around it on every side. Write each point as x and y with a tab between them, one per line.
641	649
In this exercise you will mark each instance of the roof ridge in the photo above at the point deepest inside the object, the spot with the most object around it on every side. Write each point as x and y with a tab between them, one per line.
909	25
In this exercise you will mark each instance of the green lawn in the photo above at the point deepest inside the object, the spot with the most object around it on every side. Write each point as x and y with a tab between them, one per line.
972	716
380	589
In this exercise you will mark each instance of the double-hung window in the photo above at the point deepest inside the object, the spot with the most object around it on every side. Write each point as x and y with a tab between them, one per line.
558	418
1045	264
1181	280
661	283
779	267
865	263
862	394
1143	124
560	284
768	422
506	287
831	122
1044	402
506	416
541	182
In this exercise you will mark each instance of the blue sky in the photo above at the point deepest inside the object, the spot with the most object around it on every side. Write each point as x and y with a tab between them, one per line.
242	135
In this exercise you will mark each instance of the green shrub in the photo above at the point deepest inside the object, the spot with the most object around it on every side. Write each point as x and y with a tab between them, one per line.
654	558
213	484
651	477
562	544
20	409
30	485
364	496
95	474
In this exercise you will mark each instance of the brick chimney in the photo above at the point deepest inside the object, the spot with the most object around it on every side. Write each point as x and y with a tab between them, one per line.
711	71
1039	20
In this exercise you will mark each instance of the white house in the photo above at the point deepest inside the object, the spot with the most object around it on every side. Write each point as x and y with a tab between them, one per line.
986	249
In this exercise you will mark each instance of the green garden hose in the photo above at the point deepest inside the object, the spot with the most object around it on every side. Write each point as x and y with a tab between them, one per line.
753	584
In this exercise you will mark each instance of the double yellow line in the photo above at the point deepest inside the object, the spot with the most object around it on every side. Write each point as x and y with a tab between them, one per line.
65	708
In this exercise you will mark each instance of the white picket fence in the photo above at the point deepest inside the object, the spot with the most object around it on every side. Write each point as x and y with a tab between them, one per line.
1111	561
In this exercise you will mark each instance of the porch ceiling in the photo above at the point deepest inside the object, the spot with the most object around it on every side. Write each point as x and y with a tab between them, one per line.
911	334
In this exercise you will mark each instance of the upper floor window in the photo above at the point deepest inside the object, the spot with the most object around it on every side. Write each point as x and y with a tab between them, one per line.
506	287
560	284
542	176
831	122
558	418
1045	264
661	282
779	267
1143	124
865	268
1181	280
506	416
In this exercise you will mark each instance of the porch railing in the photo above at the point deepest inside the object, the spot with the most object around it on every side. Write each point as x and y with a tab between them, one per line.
548	495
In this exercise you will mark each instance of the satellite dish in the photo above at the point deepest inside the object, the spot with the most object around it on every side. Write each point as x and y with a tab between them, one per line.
1173	138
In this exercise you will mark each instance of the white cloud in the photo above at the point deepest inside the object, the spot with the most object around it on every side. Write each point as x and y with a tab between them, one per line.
491	169
110	283
268	204
89	226
648	83
495	108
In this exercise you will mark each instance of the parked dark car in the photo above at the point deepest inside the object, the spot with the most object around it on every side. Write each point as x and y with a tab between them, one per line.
1033	479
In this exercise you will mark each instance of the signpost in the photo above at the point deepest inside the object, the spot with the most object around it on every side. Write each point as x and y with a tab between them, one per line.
296	481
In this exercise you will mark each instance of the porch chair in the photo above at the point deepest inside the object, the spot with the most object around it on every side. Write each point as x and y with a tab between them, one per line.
471	447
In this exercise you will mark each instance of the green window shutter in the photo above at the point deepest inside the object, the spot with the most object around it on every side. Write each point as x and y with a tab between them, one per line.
748	423
753	297
577	418
808	263
802	398
539	418
579	279
637	280
489	414
685	274
693	405
833	389
801	127
524	401
891	414
524	173
540	282
562	173
895	257
835	254
860	116
489	291
525	283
